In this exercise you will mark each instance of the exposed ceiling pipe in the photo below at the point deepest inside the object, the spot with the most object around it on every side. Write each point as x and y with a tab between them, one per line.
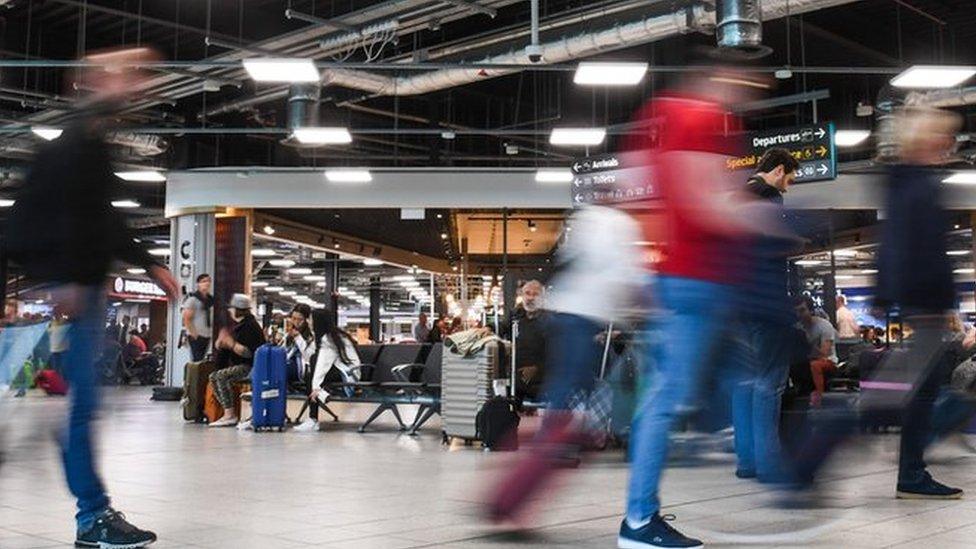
473	6
956	97
534	51
739	27
689	19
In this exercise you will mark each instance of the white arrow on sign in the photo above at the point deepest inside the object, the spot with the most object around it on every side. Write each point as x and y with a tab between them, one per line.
823	169
577	182
577	167
821	133
579	198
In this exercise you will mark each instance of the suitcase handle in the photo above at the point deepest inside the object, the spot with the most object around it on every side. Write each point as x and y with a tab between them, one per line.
515	335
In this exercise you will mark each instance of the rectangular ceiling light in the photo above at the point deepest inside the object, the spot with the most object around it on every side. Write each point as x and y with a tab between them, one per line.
274	289
281	263
322	136
300	271
577	136
125	204
962	178
933	76
152	176
6	202
850	138
159	252
313	278
49	134
372	262
965	271
348	176
281	70
259	284
808	262
263	252
609	74
551	175
958	252
288	293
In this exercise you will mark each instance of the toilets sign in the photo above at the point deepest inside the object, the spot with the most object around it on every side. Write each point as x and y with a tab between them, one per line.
811	145
611	179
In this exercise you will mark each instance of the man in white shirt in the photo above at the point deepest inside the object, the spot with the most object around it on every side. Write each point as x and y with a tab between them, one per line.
847	327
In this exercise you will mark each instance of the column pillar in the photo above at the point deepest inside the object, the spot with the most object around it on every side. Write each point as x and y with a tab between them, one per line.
375	302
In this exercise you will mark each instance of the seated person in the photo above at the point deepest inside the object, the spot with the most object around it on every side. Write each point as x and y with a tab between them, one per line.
134	347
235	348
820	337
335	356
530	347
299	342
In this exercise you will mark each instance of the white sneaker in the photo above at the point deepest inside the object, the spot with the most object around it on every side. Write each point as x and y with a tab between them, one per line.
224	423
244	426
307	426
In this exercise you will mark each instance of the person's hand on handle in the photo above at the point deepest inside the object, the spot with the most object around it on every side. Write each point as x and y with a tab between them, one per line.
165	280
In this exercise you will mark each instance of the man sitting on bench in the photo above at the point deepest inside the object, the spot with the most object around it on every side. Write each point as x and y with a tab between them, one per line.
823	353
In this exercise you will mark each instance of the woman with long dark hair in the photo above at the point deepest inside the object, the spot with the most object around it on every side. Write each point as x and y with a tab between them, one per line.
335	356
299	342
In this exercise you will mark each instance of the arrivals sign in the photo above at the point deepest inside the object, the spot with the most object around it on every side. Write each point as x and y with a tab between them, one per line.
611	179
812	146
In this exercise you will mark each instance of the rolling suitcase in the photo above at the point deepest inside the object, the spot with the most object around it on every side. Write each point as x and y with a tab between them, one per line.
269	383
196	376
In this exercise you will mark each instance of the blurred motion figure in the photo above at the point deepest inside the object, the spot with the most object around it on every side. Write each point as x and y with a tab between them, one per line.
70	187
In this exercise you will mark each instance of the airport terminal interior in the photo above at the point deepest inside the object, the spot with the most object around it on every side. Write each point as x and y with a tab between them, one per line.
487	273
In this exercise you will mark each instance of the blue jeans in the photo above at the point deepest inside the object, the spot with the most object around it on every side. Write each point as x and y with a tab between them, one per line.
690	335
572	357
758	395
85	339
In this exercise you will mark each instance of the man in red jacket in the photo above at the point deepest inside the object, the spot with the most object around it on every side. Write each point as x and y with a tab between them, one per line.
706	233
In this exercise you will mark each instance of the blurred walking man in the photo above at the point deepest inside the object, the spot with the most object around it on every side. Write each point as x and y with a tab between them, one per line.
70	188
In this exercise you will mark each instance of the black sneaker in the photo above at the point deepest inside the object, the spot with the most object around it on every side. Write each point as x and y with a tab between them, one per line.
657	533
927	488
112	531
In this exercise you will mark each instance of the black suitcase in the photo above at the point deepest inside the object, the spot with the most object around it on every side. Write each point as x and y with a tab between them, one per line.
167	394
497	425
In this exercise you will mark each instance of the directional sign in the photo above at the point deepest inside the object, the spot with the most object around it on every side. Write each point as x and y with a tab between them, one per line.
611	179
812	146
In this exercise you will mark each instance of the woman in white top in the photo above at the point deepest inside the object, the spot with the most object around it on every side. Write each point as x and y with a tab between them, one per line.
299	342
335	357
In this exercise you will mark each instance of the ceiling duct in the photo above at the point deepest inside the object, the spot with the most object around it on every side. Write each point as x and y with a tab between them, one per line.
940	99
695	18
139	144
303	109
739	28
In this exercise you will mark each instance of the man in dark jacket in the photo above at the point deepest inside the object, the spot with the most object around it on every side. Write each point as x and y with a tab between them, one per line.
69	190
767	319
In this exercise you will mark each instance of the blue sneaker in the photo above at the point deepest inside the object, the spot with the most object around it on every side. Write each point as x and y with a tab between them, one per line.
657	533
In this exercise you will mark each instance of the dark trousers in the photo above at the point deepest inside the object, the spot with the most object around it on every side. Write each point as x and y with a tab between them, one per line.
199	347
332	376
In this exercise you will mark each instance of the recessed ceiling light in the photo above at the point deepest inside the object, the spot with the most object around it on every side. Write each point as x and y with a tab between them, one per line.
259	284
281	263
965	271
153	176
136	271
159	252
410	284
313	278
6	202
869	271
845	253
288	293
321	284
322	136
125	204
274	289
263	252
933	76
850	138
609	74
962	178
49	134
577	136
843	277
402	278
282	70
808	262
372	262
550	175
300	271
958	252
348	176
268	230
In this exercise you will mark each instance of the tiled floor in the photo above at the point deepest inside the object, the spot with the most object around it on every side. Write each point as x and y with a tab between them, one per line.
200	487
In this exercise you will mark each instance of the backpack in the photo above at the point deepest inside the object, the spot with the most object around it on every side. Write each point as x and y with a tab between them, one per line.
496	425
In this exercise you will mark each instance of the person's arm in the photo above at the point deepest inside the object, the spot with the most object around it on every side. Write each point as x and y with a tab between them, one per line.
305	349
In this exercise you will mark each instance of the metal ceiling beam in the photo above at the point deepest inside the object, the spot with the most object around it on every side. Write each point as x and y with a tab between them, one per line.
473	6
331	23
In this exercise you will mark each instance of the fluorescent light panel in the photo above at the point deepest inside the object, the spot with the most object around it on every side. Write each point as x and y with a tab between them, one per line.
609	74
348	176
49	134
850	138
159	252
300	271
151	176
550	175
263	252
933	76
281	70
125	204
808	262
372	262
958	252
962	178
281	263
136	271
577	136
259	284
965	271
313	278
322	136
6	202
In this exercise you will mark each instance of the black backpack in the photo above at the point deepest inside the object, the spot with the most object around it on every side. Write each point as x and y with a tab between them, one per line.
497	425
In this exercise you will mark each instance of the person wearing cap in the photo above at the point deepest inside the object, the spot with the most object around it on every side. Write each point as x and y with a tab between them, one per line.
239	346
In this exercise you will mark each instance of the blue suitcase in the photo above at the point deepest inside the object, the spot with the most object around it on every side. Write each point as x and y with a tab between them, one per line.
269	388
